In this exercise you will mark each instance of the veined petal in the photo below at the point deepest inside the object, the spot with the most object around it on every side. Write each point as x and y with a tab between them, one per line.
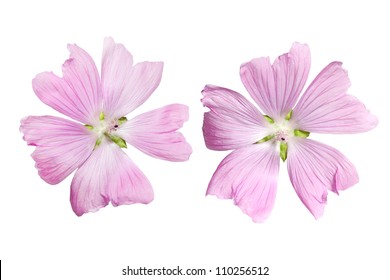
125	87
78	93
155	133
276	88
249	177
117	64
315	168
61	145
108	175
326	108
232	121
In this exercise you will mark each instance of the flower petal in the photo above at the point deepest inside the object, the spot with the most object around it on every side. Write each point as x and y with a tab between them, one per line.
117	63
249	177
326	108
315	168
155	133
108	175
232	122
78	93
276	88
61	145
125	87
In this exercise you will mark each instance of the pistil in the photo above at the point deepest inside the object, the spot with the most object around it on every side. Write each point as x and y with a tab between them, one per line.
283	132
107	129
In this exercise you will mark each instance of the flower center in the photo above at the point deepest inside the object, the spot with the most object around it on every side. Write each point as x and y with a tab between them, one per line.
106	129
283	132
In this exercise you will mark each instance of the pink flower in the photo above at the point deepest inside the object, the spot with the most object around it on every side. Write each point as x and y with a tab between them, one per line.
104	172
248	175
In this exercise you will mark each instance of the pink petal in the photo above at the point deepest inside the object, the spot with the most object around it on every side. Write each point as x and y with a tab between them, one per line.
232	122
155	133
125	87
249	177
61	145
77	94
326	108
276	88
108	175
315	168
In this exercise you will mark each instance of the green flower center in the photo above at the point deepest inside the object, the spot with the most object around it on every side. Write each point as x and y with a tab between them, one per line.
106	129
283	132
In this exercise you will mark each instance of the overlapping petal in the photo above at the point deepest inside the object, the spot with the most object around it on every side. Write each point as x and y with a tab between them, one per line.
155	133
232	121
78	93
276	88
126	87
249	177
105	172
108	175
326	108
315	168
61	145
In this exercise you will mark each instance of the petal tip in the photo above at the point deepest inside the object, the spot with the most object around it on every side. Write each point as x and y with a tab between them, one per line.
72	48
109	40
298	45
372	120
23	122
207	88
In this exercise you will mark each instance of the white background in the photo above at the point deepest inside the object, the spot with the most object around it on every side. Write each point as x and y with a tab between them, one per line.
200	42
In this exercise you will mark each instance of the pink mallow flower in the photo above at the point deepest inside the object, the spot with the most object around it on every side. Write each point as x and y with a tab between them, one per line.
248	175
93	144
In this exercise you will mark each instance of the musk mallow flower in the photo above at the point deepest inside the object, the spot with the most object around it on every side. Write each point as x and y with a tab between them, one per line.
93	143
248	175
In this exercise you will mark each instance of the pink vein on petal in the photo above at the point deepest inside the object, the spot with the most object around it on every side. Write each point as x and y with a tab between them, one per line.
326	107
276	88
315	168
249	177
126	87
232	121
61	145
108	175
155	133
78	93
